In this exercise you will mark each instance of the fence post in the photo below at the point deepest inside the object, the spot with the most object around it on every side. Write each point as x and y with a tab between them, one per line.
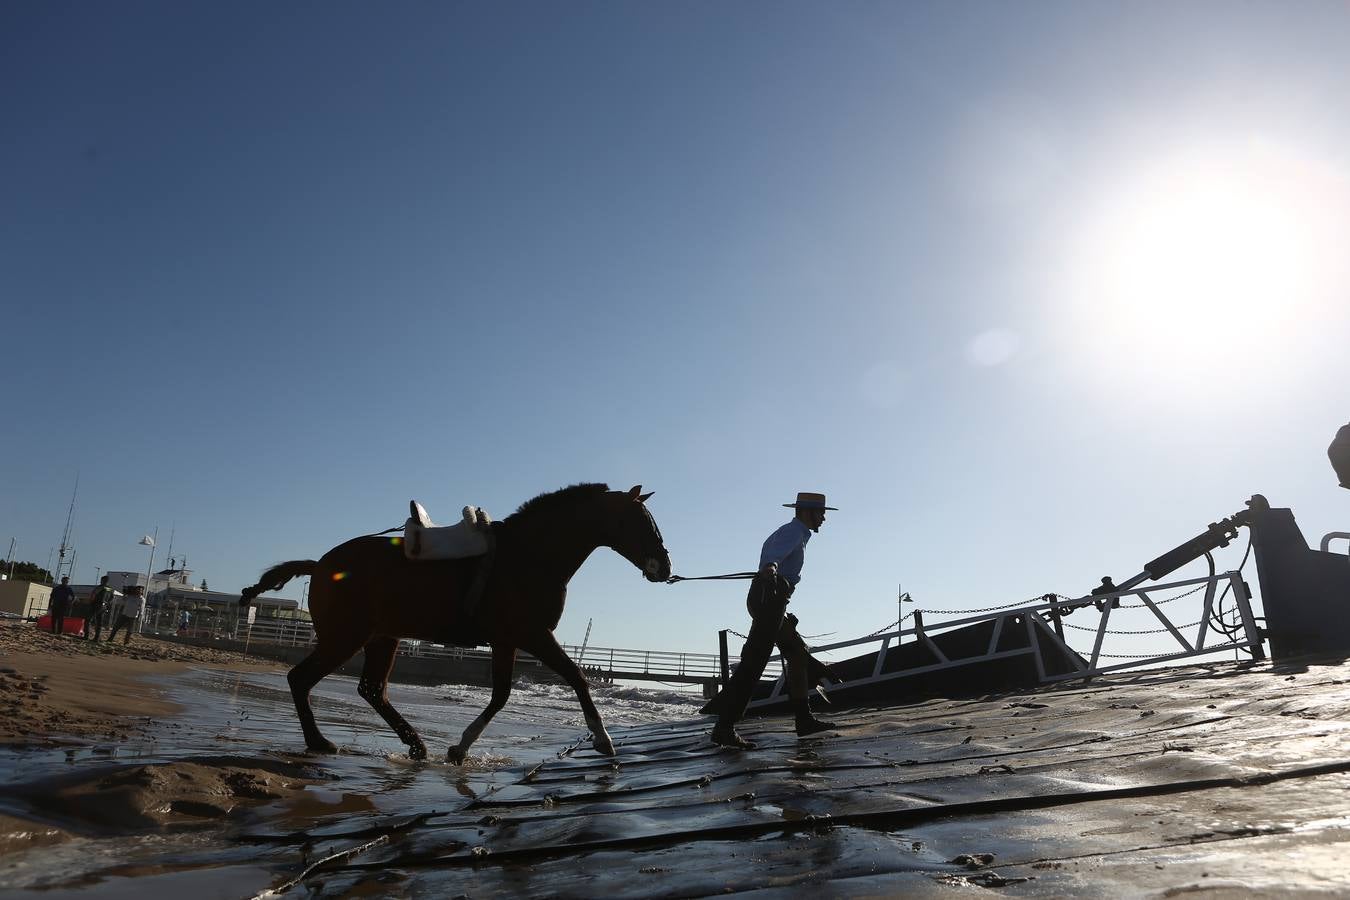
918	637
1055	615
726	668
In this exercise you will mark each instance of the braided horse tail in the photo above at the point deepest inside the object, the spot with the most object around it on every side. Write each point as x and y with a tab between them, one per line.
275	578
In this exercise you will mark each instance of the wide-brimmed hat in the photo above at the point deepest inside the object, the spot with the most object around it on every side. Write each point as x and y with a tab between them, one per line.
808	500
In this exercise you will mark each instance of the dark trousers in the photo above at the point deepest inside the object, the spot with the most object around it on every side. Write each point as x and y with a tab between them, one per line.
767	604
58	620
127	622
95	621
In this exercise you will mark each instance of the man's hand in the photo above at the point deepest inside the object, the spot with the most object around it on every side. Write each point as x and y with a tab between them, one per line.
769	569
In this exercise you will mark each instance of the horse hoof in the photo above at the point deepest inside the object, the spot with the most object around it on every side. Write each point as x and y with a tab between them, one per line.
417	751
454	756
604	746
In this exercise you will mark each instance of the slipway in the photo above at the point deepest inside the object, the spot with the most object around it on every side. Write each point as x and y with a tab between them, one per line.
1214	777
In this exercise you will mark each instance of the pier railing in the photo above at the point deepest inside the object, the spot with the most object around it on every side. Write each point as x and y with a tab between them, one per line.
612	662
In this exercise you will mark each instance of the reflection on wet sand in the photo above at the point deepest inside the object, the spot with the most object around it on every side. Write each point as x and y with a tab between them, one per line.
167	799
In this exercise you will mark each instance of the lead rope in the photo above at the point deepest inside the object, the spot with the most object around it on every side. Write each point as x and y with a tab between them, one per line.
675	579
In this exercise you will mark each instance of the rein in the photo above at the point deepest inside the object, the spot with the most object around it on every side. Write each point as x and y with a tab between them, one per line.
675	579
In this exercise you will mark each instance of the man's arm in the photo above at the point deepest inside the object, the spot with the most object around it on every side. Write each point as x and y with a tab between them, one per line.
779	545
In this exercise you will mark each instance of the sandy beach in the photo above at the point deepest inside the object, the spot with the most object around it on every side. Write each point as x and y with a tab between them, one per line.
66	692
59	688
141	770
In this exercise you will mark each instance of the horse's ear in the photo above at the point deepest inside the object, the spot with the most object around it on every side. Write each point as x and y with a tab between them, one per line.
645	497
634	491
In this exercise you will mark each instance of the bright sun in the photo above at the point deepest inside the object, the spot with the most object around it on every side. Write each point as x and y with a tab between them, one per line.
1204	256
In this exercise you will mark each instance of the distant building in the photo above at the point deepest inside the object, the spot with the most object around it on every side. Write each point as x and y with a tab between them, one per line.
23	598
154	584
174	588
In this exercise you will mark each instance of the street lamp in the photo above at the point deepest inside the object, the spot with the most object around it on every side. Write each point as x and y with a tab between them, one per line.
148	541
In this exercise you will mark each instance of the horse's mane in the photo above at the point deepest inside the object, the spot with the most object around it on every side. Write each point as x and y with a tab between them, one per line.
567	496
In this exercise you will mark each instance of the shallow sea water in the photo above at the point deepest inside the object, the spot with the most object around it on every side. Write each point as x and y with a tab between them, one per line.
371	779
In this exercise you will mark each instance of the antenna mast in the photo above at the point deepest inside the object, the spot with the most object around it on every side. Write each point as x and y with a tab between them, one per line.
584	641
61	561
173	529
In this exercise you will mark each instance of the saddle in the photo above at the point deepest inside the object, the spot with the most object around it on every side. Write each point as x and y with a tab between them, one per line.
423	539
470	538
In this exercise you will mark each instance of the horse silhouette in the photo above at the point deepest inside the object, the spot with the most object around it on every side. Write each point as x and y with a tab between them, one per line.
366	594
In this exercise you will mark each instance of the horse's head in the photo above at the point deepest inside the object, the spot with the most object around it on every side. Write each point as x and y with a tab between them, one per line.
632	533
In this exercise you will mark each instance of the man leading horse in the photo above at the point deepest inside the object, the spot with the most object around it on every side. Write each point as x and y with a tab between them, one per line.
780	569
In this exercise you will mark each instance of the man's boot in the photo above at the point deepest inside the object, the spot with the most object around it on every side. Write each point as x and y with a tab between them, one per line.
724	735
807	723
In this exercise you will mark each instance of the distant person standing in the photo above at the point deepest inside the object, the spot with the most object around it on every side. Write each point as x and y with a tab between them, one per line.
100	601
132	607
63	595
780	568
1339	454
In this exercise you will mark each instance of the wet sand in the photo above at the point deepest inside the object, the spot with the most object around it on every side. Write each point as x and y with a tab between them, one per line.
58	689
62	692
139	773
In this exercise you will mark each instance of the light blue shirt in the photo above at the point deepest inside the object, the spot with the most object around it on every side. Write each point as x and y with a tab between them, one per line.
787	547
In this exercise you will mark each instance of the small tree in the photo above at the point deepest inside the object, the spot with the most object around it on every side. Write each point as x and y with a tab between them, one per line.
203	584
27	571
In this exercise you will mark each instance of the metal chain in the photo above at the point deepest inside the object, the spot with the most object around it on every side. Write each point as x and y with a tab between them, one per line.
887	627
1119	655
1194	590
899	621
1128	631
1114	655
1063	598
966	612
1033	600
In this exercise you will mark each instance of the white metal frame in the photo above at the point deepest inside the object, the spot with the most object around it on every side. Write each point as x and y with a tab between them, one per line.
1037	619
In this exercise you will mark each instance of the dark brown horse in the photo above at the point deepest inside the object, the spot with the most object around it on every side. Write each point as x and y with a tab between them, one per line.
367	594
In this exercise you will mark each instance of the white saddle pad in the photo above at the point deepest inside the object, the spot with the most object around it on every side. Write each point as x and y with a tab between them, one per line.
424	539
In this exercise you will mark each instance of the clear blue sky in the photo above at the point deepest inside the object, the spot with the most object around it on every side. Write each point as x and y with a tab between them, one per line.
1033	291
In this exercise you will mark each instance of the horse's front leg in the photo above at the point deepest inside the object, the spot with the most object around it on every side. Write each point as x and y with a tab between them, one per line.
547	651
503	665
374	685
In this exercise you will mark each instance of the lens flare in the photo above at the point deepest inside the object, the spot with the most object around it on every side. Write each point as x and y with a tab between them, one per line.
338	576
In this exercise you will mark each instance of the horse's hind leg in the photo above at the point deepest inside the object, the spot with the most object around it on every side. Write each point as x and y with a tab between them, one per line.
503	666
380	654
547	651
309	672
